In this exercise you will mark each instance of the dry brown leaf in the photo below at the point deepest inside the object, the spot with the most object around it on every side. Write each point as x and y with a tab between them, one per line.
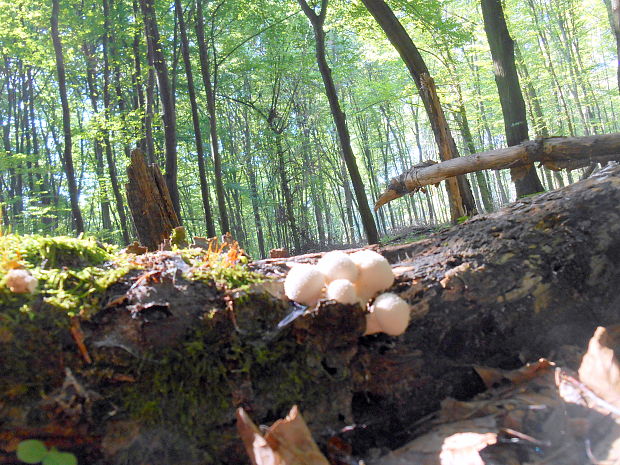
455	443
287	442
600	368
492	377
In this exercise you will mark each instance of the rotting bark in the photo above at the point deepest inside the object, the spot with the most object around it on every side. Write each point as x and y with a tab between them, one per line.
172	358
149	201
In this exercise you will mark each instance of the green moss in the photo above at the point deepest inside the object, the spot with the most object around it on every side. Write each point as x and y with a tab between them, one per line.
73	273
54	252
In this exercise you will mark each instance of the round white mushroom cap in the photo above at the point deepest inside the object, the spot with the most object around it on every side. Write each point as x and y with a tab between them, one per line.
343	291
375	273
304	284
392	313
21	281
337	265
372	324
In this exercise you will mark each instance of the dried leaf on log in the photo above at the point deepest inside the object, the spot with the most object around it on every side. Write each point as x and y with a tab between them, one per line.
287	441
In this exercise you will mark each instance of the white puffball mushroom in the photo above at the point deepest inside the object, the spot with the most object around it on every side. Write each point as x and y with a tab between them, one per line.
375	273
392	313
343	291
372	324
21	281
337	265
304	284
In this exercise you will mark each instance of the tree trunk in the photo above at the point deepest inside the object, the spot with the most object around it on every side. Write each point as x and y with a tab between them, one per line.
210	89
468	139
286	192
167	101
460	196
317	21
149	201
510	95
116	189
613	12
202	173
66	121
99	171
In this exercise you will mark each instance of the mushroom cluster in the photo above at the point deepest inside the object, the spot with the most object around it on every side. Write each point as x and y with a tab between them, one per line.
351	279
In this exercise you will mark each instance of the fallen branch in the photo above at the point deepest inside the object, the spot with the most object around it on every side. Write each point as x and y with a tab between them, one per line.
555	153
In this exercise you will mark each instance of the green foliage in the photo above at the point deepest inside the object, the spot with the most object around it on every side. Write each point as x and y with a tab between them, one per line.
31	451
34	451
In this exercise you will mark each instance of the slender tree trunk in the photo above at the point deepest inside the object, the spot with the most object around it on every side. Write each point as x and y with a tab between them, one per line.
253	184
43	188
544	48
167	102
463	122
613	11
460	196
202	173
116	189
511	99
210	89
99	170
317	21
66	121
286	192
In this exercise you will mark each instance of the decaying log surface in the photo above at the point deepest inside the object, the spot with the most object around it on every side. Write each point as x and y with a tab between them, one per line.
172	359
149	201
555	153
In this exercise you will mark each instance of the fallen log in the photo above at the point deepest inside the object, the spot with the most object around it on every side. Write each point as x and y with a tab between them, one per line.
555	153
173	358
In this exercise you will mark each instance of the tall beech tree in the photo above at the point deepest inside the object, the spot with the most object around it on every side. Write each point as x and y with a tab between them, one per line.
511	98
202	173
116	188
317	20
66	121
158	61
209	79
613	12
459	192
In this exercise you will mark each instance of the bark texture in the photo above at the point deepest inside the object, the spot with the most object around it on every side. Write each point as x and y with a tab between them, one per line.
173	359
149	201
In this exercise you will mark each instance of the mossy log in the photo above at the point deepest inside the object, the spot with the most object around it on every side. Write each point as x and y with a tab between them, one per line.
173	358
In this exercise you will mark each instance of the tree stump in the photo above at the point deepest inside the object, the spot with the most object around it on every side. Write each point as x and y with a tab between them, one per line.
149	201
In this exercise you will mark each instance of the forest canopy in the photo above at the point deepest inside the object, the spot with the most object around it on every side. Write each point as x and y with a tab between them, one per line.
231	100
